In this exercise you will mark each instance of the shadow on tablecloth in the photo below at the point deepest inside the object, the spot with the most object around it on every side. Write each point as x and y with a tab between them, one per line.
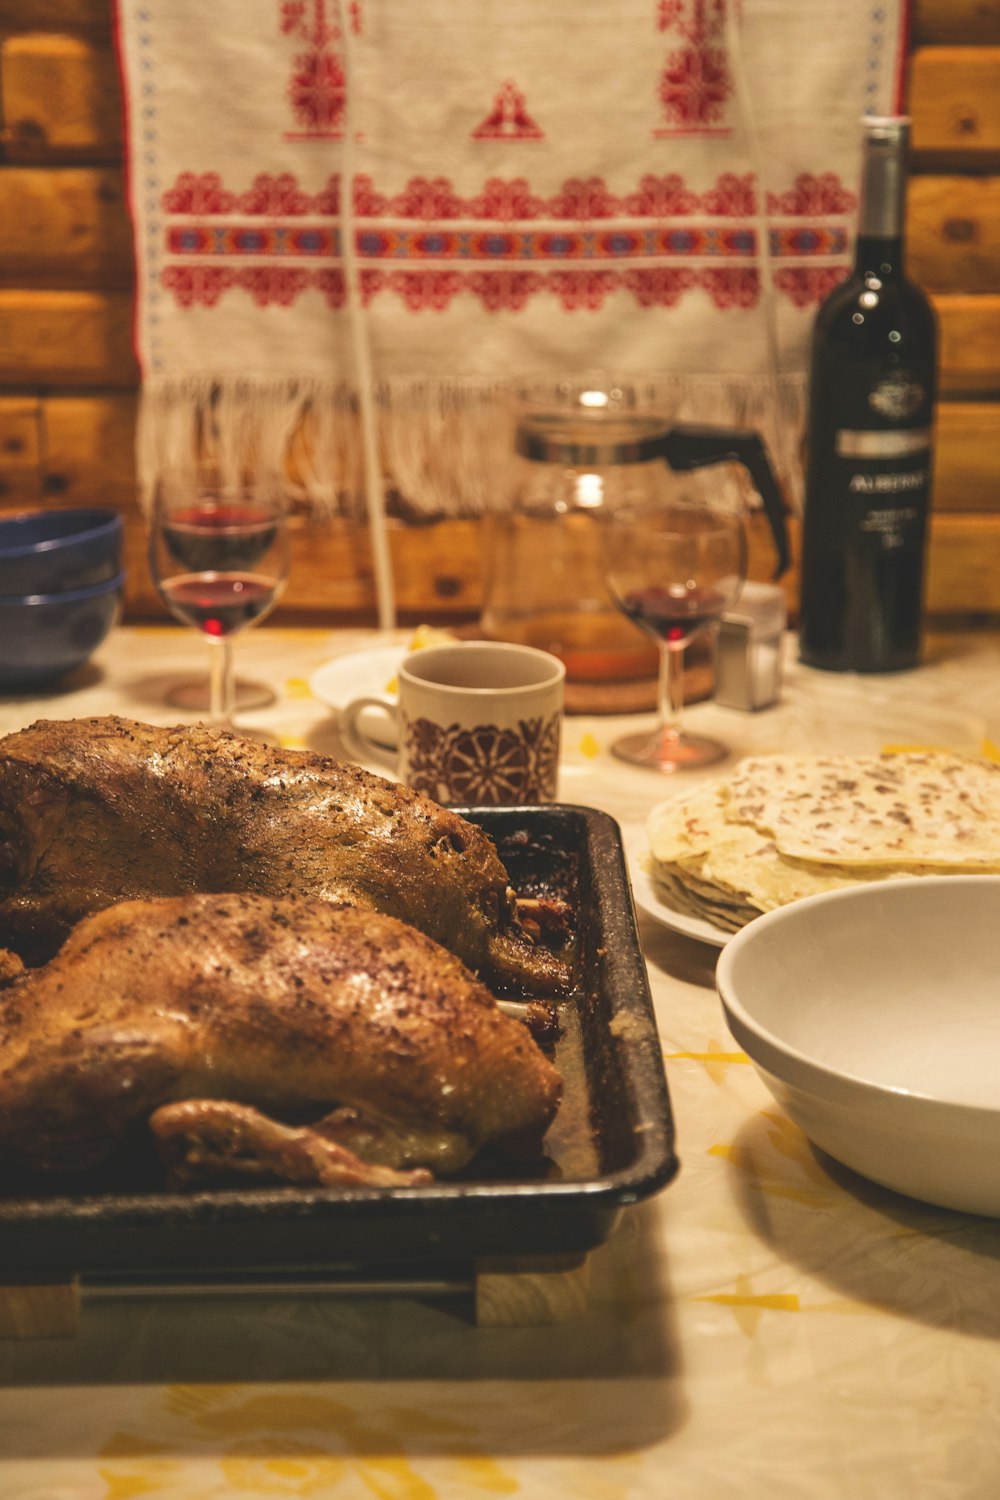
625	1342
865	1242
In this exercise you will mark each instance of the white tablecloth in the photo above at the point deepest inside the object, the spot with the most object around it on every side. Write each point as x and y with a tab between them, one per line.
769	1326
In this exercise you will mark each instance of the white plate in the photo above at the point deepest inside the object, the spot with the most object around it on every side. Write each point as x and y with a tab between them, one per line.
649	899
360	674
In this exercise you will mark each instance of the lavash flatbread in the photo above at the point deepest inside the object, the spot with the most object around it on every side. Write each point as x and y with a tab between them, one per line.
784	827
921	808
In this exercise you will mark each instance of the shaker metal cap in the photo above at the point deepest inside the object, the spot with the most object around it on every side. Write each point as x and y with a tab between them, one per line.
597	439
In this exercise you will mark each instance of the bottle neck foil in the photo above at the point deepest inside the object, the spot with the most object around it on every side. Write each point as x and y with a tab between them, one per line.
883	178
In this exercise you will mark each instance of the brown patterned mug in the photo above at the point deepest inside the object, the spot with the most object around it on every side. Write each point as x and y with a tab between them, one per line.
479	722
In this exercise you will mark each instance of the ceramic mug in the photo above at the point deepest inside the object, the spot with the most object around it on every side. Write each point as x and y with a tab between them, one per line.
477	723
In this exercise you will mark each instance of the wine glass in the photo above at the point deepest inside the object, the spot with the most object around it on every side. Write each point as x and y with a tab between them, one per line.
218	554
673	569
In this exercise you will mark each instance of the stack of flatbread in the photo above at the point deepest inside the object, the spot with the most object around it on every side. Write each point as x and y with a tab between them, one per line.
786	826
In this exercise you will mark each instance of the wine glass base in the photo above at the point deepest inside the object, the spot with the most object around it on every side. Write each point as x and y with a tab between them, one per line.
195	696
666	752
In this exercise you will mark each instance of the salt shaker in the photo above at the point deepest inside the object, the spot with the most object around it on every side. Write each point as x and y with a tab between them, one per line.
748	651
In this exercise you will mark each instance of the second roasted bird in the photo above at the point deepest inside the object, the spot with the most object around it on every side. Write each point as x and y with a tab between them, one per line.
96	811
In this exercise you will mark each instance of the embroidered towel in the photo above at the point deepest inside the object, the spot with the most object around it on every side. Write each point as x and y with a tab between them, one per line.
662	189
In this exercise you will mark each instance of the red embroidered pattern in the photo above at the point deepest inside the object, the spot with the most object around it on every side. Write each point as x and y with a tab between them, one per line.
813	196
806	285
508	120
317	88
503	245
695	83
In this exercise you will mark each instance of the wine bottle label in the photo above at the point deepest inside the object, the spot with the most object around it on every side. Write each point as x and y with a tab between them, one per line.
897	396
896	444
884	479
889	527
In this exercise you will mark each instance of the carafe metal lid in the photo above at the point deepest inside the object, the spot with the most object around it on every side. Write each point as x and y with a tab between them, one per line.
594	441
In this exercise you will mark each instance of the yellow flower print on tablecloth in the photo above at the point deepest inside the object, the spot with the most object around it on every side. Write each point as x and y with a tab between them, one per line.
295	1446
780	1162
716	1060
748	1306
288	1468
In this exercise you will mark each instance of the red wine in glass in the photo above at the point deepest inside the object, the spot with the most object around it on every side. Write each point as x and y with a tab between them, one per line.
673	615
219	537
219	560
219	603
673	570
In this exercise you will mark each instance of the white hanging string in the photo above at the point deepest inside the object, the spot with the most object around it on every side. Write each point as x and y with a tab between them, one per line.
734	46
371	463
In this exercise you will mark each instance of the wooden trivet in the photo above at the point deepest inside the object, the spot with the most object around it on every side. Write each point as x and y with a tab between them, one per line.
634	695
637	695
516	1292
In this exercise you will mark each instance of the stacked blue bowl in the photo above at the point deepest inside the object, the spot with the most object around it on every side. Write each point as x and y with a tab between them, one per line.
61	583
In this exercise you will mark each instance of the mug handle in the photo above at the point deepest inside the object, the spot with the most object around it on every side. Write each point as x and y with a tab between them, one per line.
359	743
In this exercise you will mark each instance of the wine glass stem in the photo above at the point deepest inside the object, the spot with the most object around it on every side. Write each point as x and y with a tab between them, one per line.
221	685
671	691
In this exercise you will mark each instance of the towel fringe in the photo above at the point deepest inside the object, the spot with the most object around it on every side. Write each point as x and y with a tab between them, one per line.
446	445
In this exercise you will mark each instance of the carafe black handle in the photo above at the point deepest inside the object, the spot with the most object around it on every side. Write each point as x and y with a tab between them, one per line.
690	446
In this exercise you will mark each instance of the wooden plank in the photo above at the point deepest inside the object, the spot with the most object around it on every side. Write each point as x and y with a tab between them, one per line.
953	233
65	227
956	22
963	576
66	338
955	104
67	450
20	451
61	98
963	569
516	1294
46	1310
963	566
969	343
967	457
85	339
438	570
54	15
90	451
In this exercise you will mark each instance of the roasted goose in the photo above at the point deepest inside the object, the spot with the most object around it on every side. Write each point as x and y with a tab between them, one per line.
94	811
305	1011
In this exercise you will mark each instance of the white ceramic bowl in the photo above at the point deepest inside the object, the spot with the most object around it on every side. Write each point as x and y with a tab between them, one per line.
873	1016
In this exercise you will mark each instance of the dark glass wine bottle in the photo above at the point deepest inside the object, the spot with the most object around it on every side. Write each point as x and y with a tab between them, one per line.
868	469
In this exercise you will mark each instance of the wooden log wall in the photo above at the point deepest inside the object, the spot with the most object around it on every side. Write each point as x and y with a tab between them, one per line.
68	375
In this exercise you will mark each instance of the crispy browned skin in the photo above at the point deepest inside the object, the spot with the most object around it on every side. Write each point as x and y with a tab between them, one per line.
291	1005
94	811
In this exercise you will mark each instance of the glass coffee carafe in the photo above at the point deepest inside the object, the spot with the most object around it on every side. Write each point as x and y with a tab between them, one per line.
545	550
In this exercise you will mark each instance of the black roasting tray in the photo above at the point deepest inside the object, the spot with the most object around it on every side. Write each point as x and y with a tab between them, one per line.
612	1143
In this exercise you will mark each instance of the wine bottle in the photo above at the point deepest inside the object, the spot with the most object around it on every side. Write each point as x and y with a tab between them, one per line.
868	469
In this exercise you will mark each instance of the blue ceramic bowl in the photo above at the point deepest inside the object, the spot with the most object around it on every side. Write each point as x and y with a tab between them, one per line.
46	635
52	551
